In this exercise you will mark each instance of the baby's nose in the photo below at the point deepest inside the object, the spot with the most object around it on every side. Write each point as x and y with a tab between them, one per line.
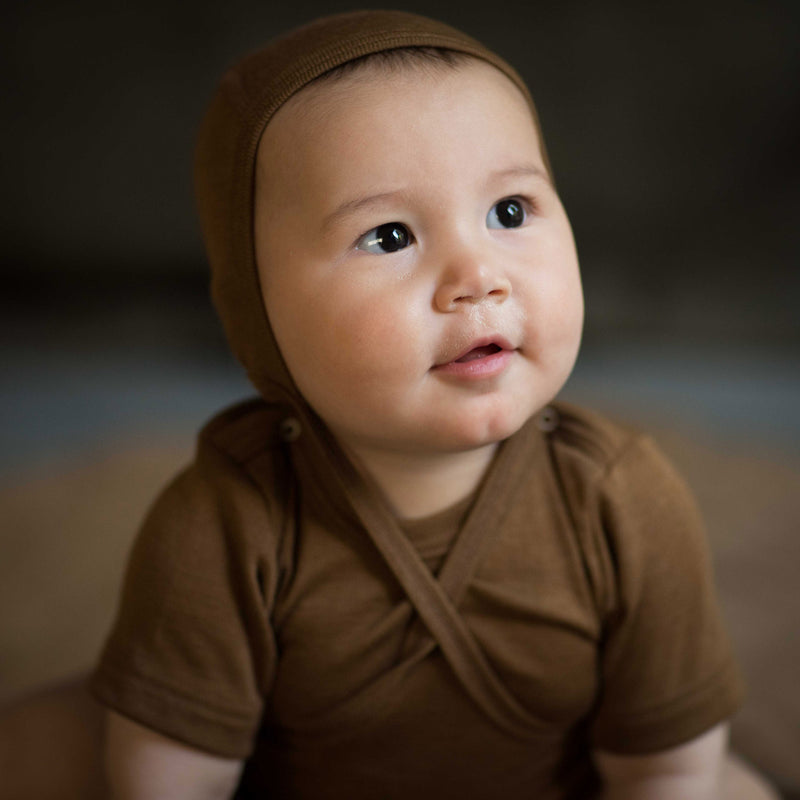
468	282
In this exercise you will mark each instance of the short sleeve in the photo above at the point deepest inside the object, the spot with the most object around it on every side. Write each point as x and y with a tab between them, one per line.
667	669
191	654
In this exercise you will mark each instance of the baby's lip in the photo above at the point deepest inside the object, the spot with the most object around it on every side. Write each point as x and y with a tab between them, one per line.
478	348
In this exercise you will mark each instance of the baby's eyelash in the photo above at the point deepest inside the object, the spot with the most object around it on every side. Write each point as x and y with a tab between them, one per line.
384	239
509	213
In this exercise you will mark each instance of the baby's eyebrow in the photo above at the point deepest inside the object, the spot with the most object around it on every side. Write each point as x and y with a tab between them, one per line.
357	204
523	171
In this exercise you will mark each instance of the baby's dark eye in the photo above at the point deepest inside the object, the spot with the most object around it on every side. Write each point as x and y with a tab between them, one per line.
509	213
387	238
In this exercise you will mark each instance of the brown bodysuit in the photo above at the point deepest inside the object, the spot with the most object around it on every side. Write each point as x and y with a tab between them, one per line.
569	605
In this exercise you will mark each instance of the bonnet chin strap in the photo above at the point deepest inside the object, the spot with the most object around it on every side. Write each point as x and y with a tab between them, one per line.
435	600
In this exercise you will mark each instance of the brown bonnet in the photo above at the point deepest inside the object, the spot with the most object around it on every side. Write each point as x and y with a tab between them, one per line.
225	164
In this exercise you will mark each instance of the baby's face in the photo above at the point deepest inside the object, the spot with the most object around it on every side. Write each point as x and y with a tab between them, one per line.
417	266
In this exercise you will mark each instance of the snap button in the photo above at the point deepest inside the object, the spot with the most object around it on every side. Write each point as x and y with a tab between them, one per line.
548	419
290	429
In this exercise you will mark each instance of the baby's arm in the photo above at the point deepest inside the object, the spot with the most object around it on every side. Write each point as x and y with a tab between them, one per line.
144	765
690	771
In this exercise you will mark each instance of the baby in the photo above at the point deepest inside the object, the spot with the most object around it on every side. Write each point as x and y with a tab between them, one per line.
402	572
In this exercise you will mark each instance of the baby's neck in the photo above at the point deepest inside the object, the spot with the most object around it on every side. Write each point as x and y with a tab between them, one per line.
417	486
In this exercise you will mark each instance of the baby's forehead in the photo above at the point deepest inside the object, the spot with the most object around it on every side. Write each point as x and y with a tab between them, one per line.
322	98
377	70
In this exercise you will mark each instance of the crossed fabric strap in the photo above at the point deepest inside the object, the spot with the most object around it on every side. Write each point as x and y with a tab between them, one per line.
436	599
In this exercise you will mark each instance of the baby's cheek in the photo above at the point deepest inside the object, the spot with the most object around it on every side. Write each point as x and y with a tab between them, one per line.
561	293
554	323
380	338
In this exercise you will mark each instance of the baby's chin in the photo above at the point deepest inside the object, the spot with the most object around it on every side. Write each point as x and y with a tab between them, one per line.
485	422
429	443
464	435
486	432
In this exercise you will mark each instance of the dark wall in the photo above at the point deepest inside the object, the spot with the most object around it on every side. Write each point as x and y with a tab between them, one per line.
673	128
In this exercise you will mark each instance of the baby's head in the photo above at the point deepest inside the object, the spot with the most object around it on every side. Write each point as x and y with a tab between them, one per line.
401	230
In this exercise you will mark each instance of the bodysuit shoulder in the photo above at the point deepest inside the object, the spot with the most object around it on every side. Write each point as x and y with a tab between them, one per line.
589	441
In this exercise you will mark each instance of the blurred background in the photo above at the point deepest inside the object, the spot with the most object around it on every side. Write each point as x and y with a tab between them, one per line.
673	129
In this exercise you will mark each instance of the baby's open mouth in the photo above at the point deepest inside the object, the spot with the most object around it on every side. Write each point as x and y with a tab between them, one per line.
487	358
479	352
